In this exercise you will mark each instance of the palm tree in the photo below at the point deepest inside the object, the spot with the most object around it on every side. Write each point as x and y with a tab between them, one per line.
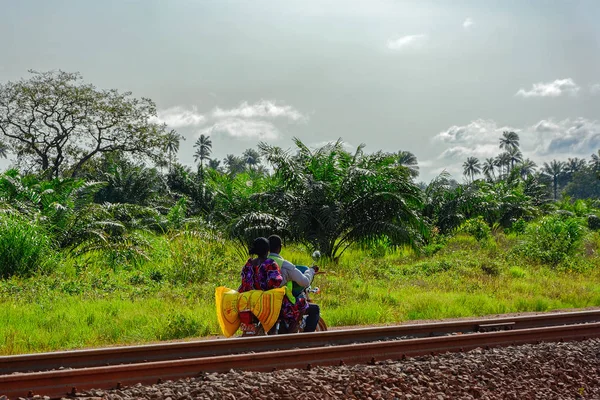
172	145
527	168
503	160
332	199
554	170
471	167
203	149
488	169
215	164
575	165
515	156
509	140
251	158
234	164
409	161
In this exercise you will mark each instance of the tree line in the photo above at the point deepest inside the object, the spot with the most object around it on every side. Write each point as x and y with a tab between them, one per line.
93	167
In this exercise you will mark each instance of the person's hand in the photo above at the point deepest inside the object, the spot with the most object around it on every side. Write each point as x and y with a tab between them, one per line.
316	269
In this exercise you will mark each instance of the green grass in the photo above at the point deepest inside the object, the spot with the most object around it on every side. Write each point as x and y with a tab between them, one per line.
106	299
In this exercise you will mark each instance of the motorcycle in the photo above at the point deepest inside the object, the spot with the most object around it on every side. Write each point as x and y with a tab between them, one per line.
251	326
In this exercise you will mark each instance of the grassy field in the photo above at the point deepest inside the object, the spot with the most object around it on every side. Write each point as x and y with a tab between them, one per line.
123	298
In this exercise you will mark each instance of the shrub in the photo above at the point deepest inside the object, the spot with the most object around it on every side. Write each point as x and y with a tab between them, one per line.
553	239
25	247
517	272
476	227
182	325
593	222
519	226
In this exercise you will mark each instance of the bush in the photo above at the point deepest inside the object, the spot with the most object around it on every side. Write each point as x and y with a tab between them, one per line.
517	272
553	239
518	227
476	227
25	247
593	222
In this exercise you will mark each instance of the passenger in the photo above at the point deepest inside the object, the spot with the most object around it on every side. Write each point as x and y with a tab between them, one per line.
263	273
260	273
289	272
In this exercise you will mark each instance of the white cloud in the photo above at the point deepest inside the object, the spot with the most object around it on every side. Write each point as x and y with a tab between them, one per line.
403	42
179	117
468	23
551	89
345	145
480	131
243	129
595	88
261	109
543	141
462	152
247	121
571	136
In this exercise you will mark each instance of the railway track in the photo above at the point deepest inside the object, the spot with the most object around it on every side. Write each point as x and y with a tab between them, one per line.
152	363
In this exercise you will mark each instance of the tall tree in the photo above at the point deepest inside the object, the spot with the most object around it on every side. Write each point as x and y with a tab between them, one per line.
409	161
215	164
554	170
515	156
471	167
203	149
234	164
503	163
488	169
509	140
251	159
527	168
574	165
172	140
55	123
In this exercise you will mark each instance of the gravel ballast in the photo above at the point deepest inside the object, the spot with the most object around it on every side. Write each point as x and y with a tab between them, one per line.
545	371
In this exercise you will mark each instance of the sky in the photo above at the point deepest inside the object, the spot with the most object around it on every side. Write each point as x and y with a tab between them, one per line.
441	79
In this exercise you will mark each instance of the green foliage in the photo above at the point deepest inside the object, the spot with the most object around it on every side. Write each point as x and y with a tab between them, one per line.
56	124
177	213
476	227
25	248
593	222
333	199
517	272
181	325
553	239
519	227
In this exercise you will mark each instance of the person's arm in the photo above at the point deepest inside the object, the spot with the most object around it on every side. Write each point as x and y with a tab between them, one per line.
302	279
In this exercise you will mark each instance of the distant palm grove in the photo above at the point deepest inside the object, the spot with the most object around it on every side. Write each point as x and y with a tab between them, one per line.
92	168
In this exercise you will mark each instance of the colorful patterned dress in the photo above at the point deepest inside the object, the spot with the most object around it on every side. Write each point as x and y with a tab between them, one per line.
266	276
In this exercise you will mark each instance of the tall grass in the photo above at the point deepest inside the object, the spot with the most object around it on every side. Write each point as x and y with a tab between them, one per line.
25	247
87	302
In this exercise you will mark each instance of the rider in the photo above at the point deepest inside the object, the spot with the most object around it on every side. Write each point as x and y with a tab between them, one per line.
290	273
263	273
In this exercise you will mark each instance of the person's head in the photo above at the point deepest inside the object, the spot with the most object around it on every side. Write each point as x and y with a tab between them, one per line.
275	244
260	247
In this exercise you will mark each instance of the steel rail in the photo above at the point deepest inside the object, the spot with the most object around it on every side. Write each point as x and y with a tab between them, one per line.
60	383
205	348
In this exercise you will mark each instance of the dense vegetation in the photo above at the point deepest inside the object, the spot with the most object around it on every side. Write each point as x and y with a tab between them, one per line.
91	224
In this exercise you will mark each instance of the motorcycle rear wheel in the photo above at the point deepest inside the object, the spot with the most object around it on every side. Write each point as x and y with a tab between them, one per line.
321	326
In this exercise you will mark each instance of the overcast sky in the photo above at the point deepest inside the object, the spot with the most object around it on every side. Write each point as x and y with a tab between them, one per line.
441	79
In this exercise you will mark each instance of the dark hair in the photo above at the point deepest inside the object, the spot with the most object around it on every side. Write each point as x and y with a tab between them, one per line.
275	243
260	247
